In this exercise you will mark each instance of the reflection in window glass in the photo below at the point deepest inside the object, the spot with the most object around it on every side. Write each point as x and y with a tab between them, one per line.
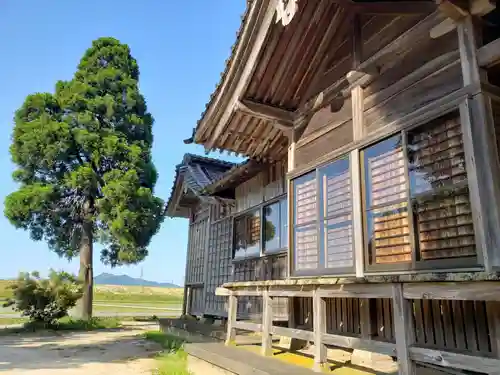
386	197
284	224
305	199
439	190
305	222
336	210
390	239
306	248
272	227
247	235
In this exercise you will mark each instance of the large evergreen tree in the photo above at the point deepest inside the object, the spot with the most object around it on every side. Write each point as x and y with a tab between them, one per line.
84	165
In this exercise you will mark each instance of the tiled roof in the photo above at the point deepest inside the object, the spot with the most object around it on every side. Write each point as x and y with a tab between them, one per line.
196	172
238	174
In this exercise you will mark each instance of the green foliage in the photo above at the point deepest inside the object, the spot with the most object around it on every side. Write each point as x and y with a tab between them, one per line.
173	361
64	324
83	155
44	300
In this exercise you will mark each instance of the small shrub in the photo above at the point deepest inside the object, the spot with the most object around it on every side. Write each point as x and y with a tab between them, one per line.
44	300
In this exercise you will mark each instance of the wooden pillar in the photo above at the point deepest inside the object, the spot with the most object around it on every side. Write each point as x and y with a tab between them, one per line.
481	154
184	301
292	138
319	322
357	96
367	326
185	307
357	210
267	323
493	314
187	292
231	319
206	250
404	330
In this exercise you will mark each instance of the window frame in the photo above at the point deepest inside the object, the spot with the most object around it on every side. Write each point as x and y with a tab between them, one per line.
415	264
258	208
321	270
456	102
280	249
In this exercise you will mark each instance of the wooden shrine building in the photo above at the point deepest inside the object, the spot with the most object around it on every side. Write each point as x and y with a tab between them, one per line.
368	213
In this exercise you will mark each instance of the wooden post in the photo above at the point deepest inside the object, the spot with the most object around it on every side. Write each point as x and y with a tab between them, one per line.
184	301
357	213
403	329
366	319
357	96
319	322
189	301
206	280
267	322
493	314
481	153
290	195
231	319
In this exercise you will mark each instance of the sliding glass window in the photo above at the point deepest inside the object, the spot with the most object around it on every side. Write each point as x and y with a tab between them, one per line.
322	226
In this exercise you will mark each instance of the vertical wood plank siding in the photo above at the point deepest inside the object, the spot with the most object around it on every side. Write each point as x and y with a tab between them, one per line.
219	265
268	268
196	252
453	325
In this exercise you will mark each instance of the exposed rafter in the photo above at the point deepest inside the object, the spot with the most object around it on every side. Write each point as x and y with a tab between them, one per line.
489	55
244	79
278	116
458	9
395	7
339	32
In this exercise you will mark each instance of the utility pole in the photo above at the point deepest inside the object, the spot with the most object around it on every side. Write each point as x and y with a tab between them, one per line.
142	280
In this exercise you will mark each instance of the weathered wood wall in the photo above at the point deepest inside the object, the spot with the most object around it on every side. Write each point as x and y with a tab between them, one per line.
264	186
195	261
267	185
219	263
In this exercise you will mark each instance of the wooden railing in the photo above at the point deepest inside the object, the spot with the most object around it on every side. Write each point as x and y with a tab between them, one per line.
402	294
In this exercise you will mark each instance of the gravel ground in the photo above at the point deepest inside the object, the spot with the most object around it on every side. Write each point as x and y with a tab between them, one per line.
121	352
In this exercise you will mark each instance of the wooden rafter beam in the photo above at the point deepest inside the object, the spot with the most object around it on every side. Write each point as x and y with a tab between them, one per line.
458	9
489	54
395	7
243	79
454	9
342	22
366	72
276	115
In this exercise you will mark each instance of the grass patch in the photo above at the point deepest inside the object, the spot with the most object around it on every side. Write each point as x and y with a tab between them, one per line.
64	324
173	361
13	320
137	309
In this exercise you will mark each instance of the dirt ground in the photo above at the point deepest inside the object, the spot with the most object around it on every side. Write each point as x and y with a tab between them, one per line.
121	352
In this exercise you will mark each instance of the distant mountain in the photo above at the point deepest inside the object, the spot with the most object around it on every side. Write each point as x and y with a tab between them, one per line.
124	280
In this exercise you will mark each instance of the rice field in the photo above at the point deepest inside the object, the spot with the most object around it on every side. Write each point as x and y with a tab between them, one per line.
118	300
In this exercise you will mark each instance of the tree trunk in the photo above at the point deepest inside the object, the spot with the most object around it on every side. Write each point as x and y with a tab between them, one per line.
86	273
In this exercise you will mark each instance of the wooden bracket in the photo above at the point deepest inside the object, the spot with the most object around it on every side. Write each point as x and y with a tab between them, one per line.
281	118
458	9
454	9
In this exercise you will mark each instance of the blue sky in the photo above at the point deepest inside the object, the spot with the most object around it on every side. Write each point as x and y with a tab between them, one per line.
180	46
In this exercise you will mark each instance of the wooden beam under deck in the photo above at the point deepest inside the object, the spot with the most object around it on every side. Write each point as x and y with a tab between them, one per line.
408	352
